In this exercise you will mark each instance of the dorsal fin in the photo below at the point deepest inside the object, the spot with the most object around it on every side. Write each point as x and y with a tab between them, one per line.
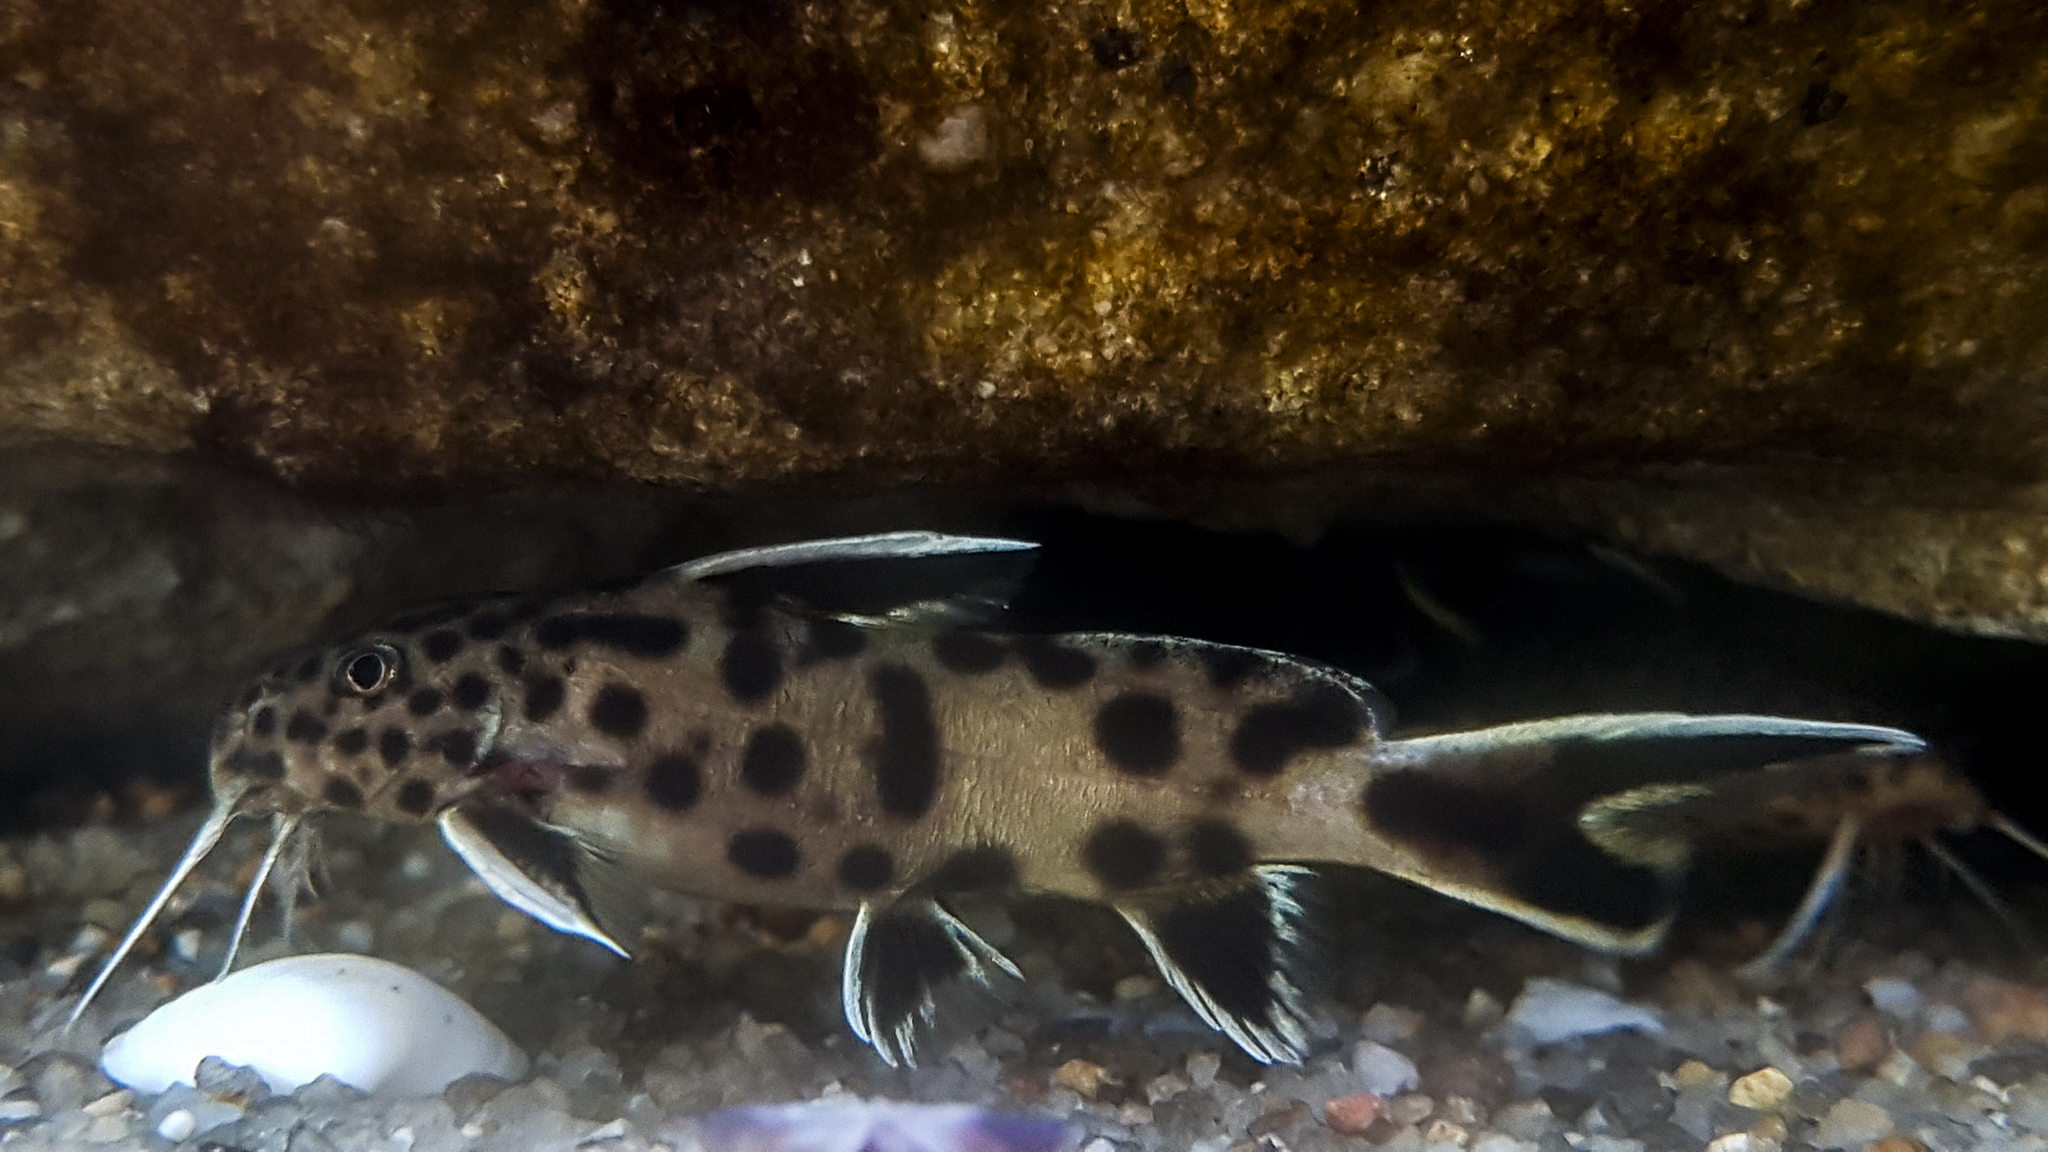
926	579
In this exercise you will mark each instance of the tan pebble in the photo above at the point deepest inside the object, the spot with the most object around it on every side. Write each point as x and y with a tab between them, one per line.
1946	1054
2001	1009
1082	1077
1136	987
1353	1114
1461	1110
1770	1128
1134	1114
1764	1090
1445	1132
827	931
1732	1142
1689	1073
1895	1143
1863	1045
1410	1108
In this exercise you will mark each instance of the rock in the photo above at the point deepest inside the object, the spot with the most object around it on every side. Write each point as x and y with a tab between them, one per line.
1781	287
1764	1090
1548	1011
1863	1045
1851	1124
1353	1114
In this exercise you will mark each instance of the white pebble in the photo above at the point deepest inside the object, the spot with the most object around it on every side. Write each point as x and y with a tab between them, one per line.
178	1124
1381	1070
1893	997
1548	1011
12	1111
369	1023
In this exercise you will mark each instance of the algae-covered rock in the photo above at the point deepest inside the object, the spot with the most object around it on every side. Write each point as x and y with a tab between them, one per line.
380	248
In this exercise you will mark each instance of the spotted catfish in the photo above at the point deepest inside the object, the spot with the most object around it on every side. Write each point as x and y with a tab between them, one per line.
680	735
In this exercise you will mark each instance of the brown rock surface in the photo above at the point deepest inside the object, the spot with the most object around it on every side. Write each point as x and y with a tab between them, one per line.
377	248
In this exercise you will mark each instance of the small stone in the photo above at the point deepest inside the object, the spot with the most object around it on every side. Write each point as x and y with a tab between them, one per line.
1461	1110
1764	1090
1353	1114
1902	1070
1852	1123
1134	1114
1732	1142
112	1104
1863	1045
1894	997
178	1124
1604	1143
2002	1009
1410	1108
1502	1142
1083	1077
1895	1143
1482	1009
1389	1024
1690	1073
1381	1070
107	1130
1136	987
1166	1087
18	1110
1526	1119
1549	1011
1947	1054
1442	1132
1202	1068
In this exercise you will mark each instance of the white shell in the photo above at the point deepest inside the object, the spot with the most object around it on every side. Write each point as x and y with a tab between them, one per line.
369	1023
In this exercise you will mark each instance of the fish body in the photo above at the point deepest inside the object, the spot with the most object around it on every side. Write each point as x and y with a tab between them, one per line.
692	734
1881	802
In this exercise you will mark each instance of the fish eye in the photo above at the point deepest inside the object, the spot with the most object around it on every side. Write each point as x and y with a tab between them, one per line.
367	670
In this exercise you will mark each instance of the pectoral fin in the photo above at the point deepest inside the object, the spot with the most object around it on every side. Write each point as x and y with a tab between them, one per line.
1237	953
897	956
543	871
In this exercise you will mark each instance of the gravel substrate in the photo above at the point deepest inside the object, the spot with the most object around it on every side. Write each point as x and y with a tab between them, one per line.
1434	1023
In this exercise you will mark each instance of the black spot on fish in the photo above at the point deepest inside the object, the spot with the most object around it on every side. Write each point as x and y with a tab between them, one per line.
766	853
544	697
589	779
905	755
1055	665
1147	654
471	692
832	639
457	746
1139	732
305	728
751	667
1122	854
372	703
511	660
394	745
635	634
971	653
488	625
352	742
257	765
774	760
674	782
1217	849
308	670
441	645
866	868
341	793
976	869
424	702
415	797
264	723
619	711
1228	666
1270	735
745	605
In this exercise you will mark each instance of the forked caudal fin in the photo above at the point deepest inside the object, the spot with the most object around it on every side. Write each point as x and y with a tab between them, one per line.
1493	817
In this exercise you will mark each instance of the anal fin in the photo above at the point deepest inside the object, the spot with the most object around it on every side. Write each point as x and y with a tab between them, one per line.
897	956
1237	953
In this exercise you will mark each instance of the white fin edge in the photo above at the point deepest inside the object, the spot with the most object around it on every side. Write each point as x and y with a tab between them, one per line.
508	883
203	842
1418	750
1286	1040
896	1046
879	546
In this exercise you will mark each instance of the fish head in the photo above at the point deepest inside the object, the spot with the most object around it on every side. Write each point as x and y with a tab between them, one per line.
392	723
